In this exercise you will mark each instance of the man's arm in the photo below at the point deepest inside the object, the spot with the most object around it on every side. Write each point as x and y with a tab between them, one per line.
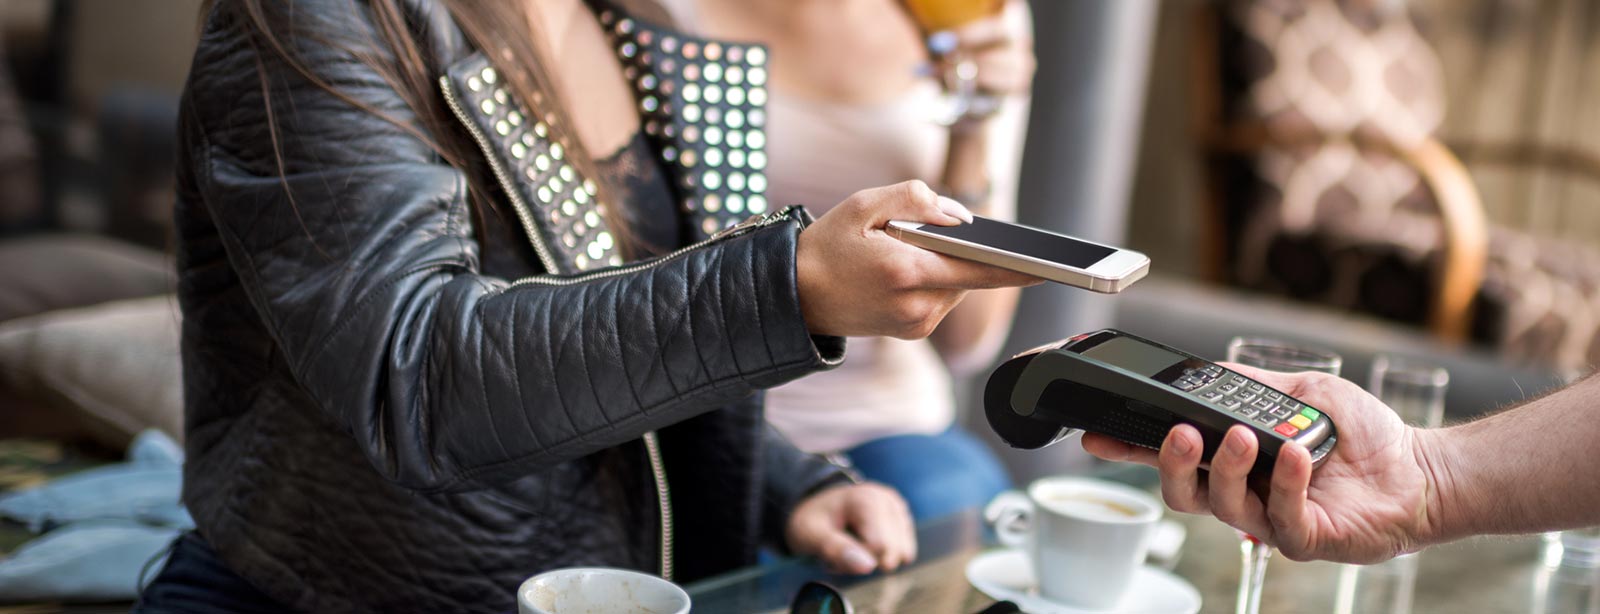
1520	471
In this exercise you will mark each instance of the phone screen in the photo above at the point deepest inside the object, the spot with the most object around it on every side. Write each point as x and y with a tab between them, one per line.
1026	241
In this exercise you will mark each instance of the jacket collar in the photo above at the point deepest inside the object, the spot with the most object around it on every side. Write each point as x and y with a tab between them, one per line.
702	104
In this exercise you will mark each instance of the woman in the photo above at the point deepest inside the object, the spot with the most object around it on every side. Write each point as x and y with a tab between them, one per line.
449	320
889	409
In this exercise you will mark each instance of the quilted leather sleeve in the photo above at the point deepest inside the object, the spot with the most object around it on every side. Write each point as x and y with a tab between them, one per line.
355	249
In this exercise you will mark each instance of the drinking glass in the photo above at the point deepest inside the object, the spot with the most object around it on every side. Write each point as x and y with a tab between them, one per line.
1568	581
958	72
1415	391
1270	355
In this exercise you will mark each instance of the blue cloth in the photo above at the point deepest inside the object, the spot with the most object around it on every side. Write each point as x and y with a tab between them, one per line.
937	474
195	581
100	528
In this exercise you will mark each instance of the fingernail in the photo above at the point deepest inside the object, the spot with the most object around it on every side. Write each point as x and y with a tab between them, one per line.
1181	445
954	209
856	558
1236	443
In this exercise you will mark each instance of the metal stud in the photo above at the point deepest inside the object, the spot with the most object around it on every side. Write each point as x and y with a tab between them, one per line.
691	134
515	118
595	252
736	158
736	181
735	95
474	83
649	104
648	82
713	135
691	72
758	96
503	127
645	37
556	185
691	93
711	180
592	219
615	260
607	17
566	173
588	186
605	240
579	228
527	139
757	204
518	150
555	216
566	205
735	118
541	129
735	203
669	44
758	118
533	174
581	196
735	75
625	26
568	209
757	182
687	158
487	106
489	75
756	139
556	151
713	71
713	203
669	153
545	195
713	156
758	160
668	65
691	112
709	226
500	96
691	50
714	115
757	56
713	94
757	76
713	51
735	53
652	127
735	138
629	50
542	161
582	262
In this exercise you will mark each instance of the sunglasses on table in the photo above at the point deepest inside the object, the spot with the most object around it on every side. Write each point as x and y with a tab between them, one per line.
820	598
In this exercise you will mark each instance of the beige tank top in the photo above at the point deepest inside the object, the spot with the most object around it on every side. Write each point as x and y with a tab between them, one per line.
819	153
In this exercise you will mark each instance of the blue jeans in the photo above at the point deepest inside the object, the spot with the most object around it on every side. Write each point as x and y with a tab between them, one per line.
937	474
195	581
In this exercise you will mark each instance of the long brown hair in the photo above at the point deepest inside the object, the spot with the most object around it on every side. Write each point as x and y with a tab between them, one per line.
498	28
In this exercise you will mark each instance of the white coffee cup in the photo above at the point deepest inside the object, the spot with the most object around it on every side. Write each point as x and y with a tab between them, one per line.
599	590
1086	538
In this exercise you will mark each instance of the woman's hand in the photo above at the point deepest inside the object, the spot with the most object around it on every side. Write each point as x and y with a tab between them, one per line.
854	528
1374	498
1000	51
857	280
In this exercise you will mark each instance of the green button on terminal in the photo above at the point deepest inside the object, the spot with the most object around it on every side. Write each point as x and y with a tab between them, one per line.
1310	414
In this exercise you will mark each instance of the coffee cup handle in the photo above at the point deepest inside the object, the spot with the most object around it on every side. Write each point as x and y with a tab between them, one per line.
1011	513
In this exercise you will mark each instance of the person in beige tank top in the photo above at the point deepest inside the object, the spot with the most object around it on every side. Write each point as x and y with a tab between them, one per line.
852	105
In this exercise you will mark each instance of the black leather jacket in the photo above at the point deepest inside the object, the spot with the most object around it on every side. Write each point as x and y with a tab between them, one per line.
380	419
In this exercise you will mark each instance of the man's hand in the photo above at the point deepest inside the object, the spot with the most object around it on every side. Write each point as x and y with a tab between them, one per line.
854	529
1376	496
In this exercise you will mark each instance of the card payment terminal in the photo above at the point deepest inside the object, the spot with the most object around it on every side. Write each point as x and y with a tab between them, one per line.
1136	390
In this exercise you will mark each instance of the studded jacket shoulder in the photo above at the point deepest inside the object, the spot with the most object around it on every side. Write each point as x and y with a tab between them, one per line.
380	421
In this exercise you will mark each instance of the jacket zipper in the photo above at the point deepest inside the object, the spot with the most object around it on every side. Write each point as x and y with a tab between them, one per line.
651	444
652	448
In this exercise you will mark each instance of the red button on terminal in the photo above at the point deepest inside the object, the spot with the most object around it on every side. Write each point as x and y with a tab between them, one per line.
1287	430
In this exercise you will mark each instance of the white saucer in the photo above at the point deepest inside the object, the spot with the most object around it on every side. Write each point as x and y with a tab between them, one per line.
1007	575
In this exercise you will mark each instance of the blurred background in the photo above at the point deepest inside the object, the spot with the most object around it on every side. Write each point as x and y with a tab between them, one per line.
1418	177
